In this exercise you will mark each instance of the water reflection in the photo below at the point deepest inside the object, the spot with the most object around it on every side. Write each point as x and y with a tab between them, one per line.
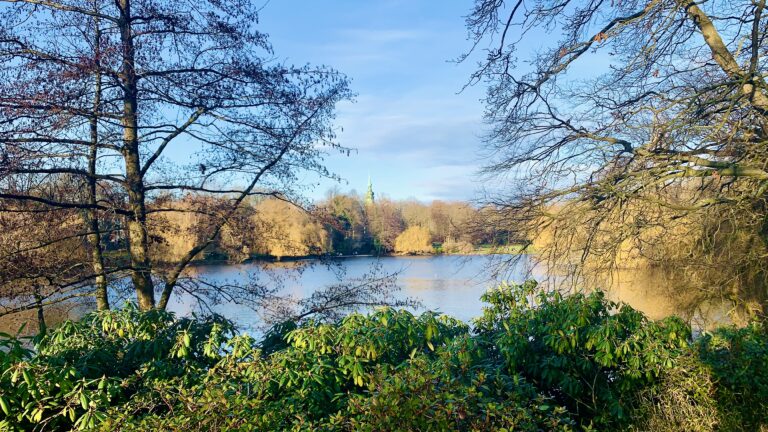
449	284
657	295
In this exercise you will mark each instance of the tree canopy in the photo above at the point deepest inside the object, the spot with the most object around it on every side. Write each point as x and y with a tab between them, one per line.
635	130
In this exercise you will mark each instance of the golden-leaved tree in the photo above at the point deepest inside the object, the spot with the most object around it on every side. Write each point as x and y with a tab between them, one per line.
414	240
285	230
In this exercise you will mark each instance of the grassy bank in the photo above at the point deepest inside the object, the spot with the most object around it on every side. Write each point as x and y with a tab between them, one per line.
575	363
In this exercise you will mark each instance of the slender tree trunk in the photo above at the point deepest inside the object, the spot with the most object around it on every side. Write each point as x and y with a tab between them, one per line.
91	215
42	328
138	242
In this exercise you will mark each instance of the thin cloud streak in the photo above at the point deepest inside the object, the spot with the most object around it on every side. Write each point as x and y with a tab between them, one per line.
411	130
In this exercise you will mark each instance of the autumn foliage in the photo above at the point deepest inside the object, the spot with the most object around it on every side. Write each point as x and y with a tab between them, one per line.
414	240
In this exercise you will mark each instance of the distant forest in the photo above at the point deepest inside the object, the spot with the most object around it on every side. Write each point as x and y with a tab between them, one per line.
340	224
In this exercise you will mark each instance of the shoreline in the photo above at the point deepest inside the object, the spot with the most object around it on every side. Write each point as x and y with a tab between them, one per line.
220	259
504	250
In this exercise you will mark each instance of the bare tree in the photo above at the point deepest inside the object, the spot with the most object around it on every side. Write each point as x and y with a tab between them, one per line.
104	91
631	129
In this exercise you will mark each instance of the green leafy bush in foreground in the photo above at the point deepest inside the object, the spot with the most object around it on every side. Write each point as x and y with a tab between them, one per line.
532	361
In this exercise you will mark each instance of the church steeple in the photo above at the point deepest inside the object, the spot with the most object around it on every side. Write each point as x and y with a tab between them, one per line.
369	196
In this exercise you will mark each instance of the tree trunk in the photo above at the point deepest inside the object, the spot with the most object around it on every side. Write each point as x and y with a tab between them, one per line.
42	328
138	242
91	215
752	86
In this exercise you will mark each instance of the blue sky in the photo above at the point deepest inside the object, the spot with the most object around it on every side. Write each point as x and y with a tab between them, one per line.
413	133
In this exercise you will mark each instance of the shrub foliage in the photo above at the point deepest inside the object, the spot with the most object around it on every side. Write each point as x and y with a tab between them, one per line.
533	361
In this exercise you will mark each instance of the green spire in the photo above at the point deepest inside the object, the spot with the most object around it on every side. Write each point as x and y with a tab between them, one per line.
369	193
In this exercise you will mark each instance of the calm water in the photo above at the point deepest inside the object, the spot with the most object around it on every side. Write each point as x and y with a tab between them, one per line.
448	284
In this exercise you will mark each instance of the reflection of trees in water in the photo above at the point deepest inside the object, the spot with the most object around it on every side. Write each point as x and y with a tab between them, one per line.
29	323
656	292
453	283
659	294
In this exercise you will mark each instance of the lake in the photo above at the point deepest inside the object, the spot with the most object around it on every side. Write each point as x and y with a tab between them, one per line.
445	283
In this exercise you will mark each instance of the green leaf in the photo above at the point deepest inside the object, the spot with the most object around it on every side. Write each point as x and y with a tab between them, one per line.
4	406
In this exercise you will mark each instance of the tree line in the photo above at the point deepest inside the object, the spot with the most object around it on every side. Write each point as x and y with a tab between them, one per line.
274	228
345	224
